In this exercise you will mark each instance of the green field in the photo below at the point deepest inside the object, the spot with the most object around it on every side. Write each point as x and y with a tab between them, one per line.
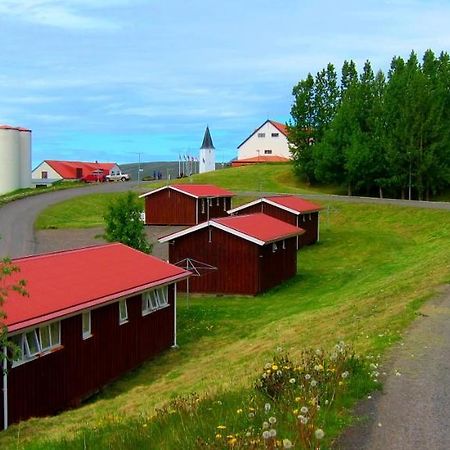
363	283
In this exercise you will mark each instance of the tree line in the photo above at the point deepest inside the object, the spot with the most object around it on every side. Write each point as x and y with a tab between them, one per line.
376	134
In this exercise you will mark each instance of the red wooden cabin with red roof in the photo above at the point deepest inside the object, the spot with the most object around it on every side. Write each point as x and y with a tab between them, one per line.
186	204
291	209
252	253
92	314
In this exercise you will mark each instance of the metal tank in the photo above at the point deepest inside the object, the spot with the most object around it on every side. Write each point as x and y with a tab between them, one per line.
10	169
25	157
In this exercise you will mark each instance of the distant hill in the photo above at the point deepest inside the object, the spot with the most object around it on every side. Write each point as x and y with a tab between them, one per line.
165	167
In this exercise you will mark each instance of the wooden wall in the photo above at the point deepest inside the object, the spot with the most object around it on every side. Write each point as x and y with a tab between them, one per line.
65	377
216	208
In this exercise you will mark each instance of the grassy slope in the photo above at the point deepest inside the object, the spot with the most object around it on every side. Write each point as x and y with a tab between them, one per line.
362	283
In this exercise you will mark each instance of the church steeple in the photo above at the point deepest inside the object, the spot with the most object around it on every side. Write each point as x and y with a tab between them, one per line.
207	140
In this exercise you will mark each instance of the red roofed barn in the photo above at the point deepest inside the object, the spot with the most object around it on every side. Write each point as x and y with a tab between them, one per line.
92	315
291	209
70	170
186	204
252	253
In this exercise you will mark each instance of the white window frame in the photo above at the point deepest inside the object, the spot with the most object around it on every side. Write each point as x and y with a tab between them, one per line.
155	299
123	318
26	354
275	135
267	152
86	333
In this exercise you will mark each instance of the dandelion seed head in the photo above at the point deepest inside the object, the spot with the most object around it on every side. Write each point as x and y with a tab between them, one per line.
304	409
265	425
307	376
313	383
287	443
292	381
266	434
319	433
267	407
273	432
272	420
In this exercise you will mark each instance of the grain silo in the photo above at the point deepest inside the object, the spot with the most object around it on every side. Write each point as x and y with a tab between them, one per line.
15	158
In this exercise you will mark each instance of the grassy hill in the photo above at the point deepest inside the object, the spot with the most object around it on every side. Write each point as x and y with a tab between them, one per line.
363	284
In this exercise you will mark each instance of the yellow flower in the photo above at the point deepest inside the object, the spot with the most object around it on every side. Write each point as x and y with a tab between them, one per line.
218	436
239	411
221	427
298	399
274	367
295	411
144	425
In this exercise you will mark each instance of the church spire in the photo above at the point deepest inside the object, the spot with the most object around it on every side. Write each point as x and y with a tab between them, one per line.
207	140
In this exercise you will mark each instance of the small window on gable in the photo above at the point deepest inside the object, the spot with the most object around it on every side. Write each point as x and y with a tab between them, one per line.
203	206
123	312
154	299
274	247
267	152
275	134
261	135
86	324
44	174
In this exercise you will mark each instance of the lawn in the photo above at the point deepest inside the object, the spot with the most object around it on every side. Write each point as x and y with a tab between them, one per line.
363	283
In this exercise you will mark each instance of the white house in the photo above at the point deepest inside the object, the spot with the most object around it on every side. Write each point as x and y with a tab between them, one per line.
268	143
15	158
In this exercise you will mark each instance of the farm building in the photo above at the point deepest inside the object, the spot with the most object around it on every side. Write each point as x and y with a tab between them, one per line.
291	209
49	171
267	144
92	314
186	204
15	158
252	253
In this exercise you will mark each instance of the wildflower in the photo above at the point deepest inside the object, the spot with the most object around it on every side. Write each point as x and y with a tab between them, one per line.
319	433
333	356
287	443
303	419
295	411
279	373
221	427
298	399
279	349
251	415
232	441
144	425
218	436
304	410
307	376
313	383
272	420
267	366
265	425
239	411
344	374
319	352
274	367
266	434
267	407
340	383
248	434
273	432
292	381
219	402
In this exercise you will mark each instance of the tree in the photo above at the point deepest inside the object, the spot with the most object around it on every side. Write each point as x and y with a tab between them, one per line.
123	223
8	269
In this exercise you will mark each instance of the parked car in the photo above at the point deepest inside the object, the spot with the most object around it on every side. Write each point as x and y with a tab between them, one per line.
117	176
96	176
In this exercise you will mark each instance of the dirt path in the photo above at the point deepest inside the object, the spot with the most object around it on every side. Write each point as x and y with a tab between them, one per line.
413	411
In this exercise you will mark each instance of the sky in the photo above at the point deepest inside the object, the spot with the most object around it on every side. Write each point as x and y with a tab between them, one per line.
123	80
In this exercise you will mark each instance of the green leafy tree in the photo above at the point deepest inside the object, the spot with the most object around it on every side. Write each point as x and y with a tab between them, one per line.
7	270
123	223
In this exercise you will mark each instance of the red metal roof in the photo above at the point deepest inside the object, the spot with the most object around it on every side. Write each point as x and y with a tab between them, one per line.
260	226
68	169
296	203
9	127
202	190
63	283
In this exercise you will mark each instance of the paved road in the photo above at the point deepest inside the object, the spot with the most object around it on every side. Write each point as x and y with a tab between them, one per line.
413	411
17	218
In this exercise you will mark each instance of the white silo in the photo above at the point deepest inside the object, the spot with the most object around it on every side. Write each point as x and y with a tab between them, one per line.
9	159
25	157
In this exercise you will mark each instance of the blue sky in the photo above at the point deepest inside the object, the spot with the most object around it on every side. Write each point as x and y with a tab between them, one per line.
108	79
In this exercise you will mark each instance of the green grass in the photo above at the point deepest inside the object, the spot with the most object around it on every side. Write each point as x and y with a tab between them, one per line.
362	283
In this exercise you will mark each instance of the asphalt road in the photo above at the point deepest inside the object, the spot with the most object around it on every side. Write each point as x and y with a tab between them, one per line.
17	218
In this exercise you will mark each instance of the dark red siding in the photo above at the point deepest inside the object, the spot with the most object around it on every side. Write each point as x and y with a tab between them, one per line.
242	266
81	367
309	221
170	207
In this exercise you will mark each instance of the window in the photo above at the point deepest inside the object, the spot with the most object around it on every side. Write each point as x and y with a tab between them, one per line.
123	312
203	206
275	134
274	247
155	299
86	324
44	174
36	342
267	152
261	135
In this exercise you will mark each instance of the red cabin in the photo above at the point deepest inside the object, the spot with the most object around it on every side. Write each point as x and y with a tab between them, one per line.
252	253
186	204
291	209
92	314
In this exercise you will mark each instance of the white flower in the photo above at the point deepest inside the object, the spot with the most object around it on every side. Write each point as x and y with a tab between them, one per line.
267	366
303	419
267	407
292	381
273	432
307	376
344	374
319	433
265	425
266	434
251	414
248	434
287	443
313	383
272	420
326	402
333	356
279	373
304	410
